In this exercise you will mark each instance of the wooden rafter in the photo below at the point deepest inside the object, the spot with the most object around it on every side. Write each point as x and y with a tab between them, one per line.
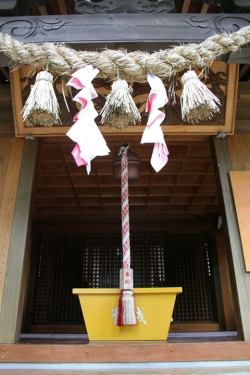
245	70
204	8
186	5
43	10
62	7
5	73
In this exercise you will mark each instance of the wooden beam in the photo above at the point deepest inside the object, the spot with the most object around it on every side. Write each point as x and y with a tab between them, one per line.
239	277
17	257
143	32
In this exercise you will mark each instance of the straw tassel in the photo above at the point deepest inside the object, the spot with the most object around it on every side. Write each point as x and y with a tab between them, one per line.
120	110
198	103
41	107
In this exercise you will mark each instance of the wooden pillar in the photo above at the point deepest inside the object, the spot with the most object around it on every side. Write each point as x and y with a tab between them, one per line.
11	150
223	279
15	213
239	277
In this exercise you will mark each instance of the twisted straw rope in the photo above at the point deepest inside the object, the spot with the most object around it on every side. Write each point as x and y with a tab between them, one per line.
131	66
125	209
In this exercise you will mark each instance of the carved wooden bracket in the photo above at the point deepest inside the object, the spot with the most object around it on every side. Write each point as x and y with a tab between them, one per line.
221	79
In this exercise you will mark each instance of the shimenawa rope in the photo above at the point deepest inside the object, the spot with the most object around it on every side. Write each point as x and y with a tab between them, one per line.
131	66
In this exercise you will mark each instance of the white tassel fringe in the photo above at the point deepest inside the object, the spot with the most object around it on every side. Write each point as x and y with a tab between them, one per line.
129	317
198	103
120	110
41	107
126	313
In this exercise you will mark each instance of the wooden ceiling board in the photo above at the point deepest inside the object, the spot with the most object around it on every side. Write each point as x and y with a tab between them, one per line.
185	189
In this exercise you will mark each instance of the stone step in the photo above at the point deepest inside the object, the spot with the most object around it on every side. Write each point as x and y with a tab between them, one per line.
159	368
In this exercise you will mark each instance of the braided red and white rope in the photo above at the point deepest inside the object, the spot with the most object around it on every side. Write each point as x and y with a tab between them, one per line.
125	209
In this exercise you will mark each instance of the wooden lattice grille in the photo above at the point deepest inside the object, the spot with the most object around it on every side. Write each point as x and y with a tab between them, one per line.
74	261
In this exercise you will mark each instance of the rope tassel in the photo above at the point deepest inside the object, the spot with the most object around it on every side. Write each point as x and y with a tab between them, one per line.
198	103
120	110
41	107
126	309
126	305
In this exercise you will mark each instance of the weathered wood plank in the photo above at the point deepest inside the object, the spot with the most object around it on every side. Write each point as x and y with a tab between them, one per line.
239	278
16	254
13	157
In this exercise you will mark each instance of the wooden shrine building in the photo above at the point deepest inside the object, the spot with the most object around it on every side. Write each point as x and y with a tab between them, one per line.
60	228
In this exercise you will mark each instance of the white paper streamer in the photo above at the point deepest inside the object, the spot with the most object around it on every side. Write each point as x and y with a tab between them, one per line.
89	140
153	133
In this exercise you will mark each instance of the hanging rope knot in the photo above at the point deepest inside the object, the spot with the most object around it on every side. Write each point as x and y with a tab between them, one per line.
124	148
45	76
188	76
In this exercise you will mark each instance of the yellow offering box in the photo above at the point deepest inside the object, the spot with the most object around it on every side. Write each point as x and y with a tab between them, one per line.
153	306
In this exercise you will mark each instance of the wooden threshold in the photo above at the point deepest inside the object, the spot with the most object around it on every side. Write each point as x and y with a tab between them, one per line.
129	352
81	329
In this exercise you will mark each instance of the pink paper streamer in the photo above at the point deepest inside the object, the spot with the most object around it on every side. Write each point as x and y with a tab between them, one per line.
153	133
76	153
89	140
